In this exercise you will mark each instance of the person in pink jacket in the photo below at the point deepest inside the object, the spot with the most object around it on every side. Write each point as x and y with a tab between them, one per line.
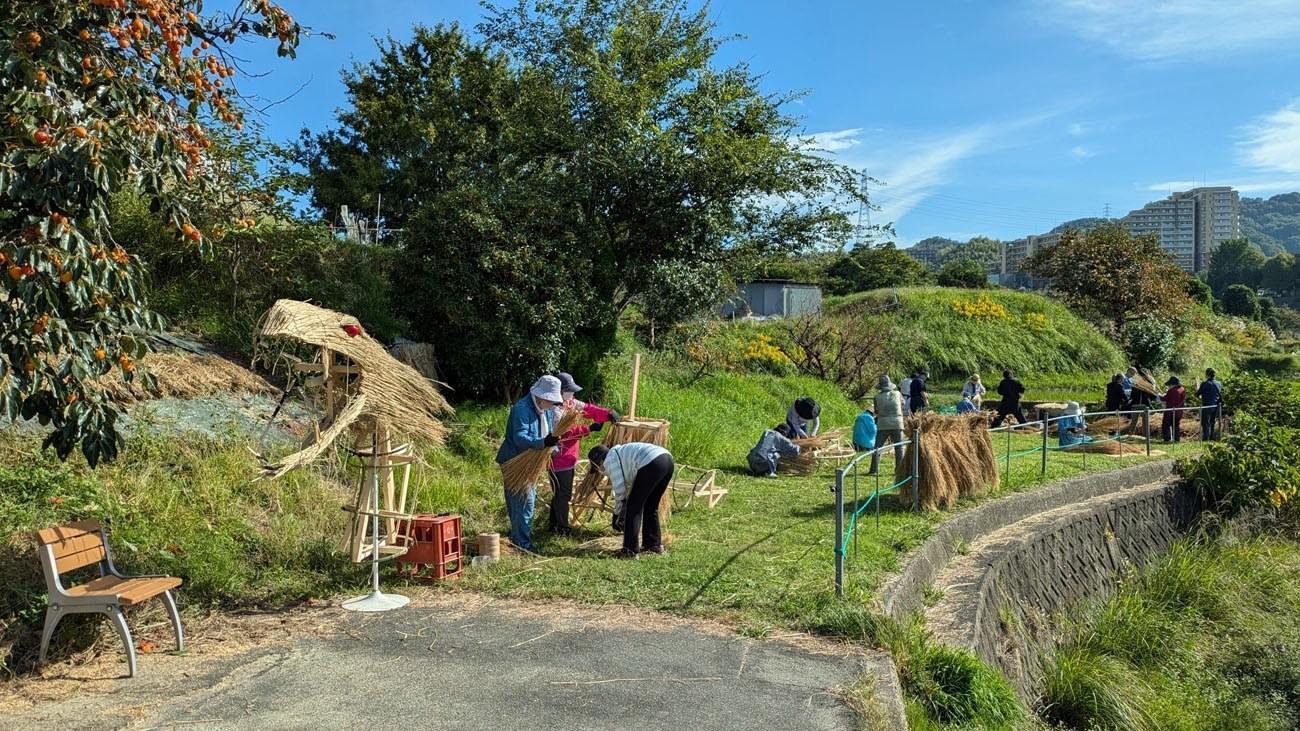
566	457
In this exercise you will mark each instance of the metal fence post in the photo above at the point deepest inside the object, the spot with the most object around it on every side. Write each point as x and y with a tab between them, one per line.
855	510
1008	470
877	499
1043	416
916	469
839	532
1146	425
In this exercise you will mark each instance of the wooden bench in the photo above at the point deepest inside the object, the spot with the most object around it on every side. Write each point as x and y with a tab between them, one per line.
78	545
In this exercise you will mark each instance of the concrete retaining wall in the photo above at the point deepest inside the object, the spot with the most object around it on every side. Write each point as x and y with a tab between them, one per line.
903	593
1000	599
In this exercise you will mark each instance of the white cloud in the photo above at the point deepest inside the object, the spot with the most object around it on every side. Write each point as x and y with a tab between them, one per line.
1162	30
837	140
1285	185
1078	129
1079	152
1272	142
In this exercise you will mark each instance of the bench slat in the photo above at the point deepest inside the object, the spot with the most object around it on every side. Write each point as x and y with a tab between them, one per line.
64	532
74	561
130	591
70	546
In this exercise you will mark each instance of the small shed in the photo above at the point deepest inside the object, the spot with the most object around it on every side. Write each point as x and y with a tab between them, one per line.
774	298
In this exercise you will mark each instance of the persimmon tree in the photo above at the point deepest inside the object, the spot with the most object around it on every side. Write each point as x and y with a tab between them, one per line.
100	97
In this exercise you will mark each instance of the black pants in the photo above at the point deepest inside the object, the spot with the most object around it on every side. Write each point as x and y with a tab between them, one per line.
1171	426
1208	419
1005	410
641	513
561	494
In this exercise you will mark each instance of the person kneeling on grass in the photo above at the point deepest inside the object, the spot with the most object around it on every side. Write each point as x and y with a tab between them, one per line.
1073	429
966	406
639	473
566	457
772	446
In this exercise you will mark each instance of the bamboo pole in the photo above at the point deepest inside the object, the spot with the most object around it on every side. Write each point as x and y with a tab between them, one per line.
636	379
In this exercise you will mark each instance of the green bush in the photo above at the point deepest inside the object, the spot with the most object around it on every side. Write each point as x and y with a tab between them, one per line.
1272	364
956	688
1150	342
1268	400
1257	466
1087	690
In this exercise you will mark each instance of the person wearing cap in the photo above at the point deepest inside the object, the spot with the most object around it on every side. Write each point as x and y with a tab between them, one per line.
772	446
802	414
639	473
1071	427
890	421
566	456
1171	421
974	390
529	426
920	397
1210	391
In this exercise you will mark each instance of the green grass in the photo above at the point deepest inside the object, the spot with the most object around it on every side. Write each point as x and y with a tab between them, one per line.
1204	638
1025	332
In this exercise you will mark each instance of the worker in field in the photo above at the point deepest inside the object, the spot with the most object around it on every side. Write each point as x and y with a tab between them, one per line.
1116	396
974	390
639	473
530	425
1171	422
1071	427
905	390
890	422
919	399
864	430
804	418
566	456
772	446
966	406
1011	390
1210	391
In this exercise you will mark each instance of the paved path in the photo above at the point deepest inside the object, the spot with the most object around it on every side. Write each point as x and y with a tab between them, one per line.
502	665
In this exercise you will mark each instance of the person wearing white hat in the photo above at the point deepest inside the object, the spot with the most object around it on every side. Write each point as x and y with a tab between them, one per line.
1071	426
529	426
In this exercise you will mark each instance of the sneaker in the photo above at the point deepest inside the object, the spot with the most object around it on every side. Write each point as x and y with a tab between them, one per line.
659	549
772	475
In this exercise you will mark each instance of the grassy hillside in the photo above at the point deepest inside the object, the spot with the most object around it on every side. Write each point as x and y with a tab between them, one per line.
956	332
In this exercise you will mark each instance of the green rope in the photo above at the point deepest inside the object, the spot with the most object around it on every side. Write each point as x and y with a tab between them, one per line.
853	519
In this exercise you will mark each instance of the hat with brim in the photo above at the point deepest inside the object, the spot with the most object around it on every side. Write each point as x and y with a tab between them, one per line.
884	384
1072	409
547	388
568	385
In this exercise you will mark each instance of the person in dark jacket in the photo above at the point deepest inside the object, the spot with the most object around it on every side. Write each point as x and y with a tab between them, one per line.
1171	422
919	398
1116	396
1211	394
1010	390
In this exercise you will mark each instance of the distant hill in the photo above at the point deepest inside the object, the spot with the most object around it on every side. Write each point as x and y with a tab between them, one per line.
1081	224
936	251
1272	224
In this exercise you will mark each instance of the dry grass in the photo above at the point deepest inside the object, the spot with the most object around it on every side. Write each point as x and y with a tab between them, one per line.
956	459
418	356
810	449
180	374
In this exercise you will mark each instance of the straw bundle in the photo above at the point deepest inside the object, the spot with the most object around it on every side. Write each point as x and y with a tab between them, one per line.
395	395
1188	426
805	463
527	468
956	459
1113	449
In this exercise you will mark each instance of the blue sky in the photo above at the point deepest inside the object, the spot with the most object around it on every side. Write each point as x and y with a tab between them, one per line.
994	118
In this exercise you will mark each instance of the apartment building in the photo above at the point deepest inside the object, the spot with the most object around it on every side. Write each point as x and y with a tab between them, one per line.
1190	225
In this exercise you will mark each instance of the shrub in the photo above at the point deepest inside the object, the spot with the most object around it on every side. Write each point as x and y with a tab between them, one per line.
1085	690
1240	300
1257	466
1272	364
763	353
963	272
1149	342
956	688
1269	400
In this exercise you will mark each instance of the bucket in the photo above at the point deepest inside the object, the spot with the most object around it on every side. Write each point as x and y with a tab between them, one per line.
489	545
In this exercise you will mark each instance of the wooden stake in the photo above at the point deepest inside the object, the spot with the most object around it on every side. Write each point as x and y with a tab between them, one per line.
636	379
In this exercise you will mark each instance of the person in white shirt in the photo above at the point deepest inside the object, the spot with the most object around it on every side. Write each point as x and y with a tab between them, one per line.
639	473
974	390
905	390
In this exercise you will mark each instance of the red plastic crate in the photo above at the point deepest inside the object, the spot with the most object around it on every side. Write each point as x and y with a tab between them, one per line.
434	543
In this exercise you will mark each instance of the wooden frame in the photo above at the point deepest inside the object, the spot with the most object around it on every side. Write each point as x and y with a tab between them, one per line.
700	483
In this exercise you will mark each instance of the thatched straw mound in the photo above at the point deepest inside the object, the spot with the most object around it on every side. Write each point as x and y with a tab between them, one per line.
418	356
185	375
394	395
956	459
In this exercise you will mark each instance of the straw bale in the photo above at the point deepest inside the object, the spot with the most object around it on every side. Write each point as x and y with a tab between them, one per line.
396	395
1188	426
956	459
184	375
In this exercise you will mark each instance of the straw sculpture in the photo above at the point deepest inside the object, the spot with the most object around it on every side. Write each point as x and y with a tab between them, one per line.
529	467
956	459
389	393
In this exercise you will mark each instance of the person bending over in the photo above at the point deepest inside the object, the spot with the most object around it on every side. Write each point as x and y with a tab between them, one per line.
639	473
772	446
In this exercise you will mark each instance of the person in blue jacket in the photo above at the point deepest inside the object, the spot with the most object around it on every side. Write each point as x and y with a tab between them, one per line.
529	426
771	447
864	430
